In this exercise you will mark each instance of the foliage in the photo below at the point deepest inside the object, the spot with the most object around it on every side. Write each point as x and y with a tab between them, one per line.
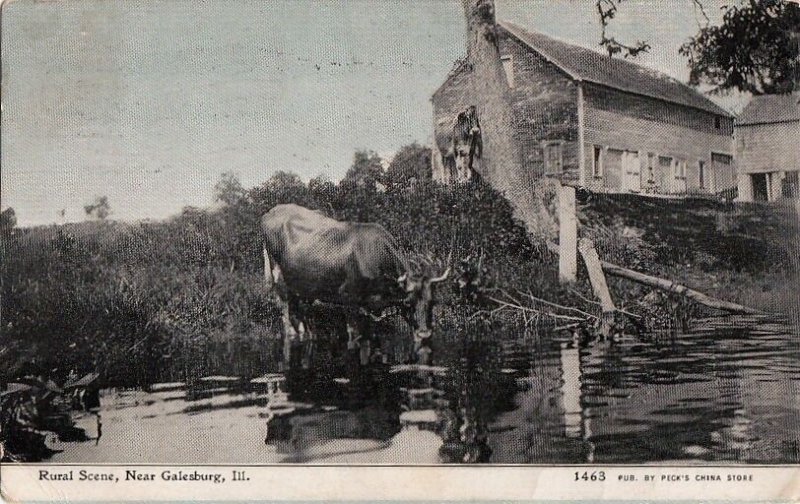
756	49
8	220
366	171
228	189
607	11
100	208
410	164
182	298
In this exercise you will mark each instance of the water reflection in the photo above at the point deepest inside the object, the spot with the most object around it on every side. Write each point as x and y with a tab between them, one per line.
723	392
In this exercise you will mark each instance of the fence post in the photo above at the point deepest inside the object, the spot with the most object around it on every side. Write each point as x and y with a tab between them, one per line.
599	285
567	235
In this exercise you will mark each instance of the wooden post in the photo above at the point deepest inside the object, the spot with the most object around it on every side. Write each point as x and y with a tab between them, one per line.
596	276
567	235
599	285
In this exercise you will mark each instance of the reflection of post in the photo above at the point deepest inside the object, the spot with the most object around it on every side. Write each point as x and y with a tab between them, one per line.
567	235
571	389
577	424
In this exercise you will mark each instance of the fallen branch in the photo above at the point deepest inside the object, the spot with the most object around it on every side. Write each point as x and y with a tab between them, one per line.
527	309
562	307
669	286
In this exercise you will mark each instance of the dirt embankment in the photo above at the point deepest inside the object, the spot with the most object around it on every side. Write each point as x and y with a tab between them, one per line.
747	253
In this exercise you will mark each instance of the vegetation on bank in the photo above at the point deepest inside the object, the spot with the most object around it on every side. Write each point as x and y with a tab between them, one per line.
172	300
182	298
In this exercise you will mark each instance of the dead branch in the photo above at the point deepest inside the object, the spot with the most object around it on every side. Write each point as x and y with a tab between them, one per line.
669	286
527	309
562	307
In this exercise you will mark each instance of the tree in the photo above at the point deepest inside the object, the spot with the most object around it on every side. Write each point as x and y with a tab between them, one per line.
412	162
228	189
367	169
8	220
607	10
100	208
501	158
756	49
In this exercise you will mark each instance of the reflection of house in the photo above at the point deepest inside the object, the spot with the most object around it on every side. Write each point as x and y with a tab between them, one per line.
767	148
606	124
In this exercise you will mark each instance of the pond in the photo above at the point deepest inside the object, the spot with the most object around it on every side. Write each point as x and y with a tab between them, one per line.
725	392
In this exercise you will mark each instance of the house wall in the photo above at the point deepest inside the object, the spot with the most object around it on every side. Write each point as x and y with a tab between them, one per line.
450	99
624	121
545	103
763	148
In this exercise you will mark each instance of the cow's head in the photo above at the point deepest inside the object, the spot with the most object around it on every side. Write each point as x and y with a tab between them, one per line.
419	301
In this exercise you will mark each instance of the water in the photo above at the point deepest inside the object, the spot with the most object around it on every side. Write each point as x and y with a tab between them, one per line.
726	392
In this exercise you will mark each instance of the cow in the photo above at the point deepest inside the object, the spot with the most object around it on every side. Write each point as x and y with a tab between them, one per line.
311	258
466	145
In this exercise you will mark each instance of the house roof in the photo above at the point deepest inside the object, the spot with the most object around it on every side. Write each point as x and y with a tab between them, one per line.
766	109
587	65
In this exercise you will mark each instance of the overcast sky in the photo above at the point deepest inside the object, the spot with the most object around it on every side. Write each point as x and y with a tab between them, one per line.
148	102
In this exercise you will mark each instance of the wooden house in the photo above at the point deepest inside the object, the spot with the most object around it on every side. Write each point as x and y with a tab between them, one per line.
767	149
603	123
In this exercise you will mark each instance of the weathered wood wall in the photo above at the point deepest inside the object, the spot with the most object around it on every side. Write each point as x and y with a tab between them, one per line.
626	121
545	102
763	148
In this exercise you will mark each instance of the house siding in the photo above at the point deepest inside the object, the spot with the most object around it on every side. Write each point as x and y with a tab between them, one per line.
545	104
768	152
628	122
545	101
450	99
763	148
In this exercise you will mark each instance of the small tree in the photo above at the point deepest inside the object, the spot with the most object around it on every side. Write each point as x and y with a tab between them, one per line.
8	220
99	209
411	162
228	189
367	169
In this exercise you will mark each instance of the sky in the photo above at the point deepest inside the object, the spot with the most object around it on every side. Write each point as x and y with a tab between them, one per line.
148	102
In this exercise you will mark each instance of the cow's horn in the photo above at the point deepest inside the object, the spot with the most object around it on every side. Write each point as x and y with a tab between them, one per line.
441	277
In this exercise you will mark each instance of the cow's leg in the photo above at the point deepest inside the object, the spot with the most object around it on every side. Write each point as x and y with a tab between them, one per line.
357	341
300	324
275	282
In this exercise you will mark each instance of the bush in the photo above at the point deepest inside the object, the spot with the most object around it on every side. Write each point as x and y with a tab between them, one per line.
182	298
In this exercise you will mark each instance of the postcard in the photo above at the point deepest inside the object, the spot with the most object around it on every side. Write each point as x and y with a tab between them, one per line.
400	250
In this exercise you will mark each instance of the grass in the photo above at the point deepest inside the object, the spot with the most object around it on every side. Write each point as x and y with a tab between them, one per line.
745	253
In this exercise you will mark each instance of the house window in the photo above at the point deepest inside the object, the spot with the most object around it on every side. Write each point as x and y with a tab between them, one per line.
701	171
508	66
717	122
553	152
680	169
651	172
718	158
597	162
